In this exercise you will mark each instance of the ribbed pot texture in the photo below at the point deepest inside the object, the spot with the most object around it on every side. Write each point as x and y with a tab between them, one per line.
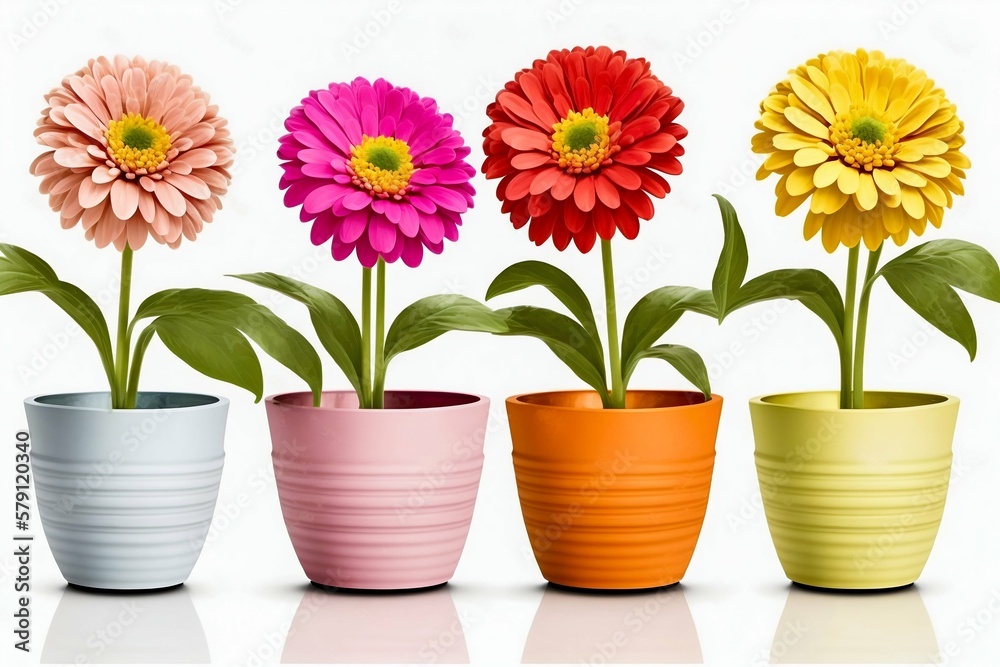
853	498
126	497
378	499
613	499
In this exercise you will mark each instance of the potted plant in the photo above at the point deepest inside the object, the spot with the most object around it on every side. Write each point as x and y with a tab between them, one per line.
613	483
377	487
127	480
854	482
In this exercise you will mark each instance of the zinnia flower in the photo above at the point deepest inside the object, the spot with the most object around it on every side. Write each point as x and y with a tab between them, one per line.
136	149
577	140
871	140
378	169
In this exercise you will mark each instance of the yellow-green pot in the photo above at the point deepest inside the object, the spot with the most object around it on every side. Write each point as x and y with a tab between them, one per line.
853	498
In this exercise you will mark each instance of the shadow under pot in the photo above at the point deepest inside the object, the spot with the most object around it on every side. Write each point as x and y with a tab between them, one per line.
613	499
126	497
853	498
378	499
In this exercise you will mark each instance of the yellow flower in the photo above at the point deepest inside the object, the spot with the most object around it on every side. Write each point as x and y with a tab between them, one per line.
871	140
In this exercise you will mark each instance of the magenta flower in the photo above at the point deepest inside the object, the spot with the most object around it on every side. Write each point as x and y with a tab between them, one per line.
377	169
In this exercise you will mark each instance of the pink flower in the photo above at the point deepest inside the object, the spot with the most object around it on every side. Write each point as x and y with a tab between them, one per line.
377	169
136	149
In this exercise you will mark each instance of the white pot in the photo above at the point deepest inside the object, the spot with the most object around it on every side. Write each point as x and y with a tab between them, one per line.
126	497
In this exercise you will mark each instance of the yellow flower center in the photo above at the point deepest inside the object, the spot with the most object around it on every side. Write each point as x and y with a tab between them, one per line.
864	139
381	165
581	141
137	143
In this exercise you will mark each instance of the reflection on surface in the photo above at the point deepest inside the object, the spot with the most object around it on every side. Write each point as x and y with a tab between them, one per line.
609	628
854	628
376	628
120	628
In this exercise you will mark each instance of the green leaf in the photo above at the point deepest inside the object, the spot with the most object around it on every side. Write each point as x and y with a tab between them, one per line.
810	287
21	271
925	278
939	304
655	313
565	337
335	325
426	319
687	362
238	311
532	273
966	266
194	301
733	261
213	349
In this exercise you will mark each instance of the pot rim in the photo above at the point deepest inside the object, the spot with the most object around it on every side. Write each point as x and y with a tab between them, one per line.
946	400
518	400
276	400
216	402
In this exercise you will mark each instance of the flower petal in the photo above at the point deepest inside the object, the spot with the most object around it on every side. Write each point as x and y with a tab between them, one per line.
848	180
806	122
523	139
92	194
584	194
867	195
357	200
886	182
124	199
170	198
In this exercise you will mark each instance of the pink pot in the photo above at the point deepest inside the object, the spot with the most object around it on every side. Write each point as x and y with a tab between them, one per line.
378	499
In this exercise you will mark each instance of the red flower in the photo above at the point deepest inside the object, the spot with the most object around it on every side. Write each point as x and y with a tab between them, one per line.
577	140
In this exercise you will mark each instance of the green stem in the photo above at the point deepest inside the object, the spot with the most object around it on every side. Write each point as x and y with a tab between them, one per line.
378	392
846	350
119	399
617	385
859	345
133	377
366	338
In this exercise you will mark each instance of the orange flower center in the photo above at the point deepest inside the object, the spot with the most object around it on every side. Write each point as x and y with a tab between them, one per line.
864	139
581	141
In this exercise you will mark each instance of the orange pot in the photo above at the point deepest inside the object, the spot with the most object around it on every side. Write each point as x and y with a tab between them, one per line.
613	499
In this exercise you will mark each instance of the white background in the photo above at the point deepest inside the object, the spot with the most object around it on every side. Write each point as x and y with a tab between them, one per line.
257	60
